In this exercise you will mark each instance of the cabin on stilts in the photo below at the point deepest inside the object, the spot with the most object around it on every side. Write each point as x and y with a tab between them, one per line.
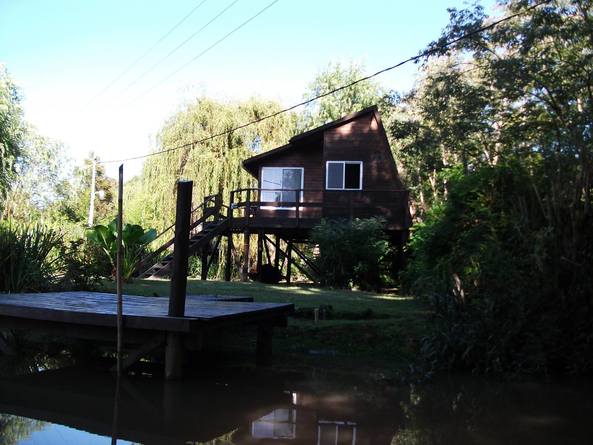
343	169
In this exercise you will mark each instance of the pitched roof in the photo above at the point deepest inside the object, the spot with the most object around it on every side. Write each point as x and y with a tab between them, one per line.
295	140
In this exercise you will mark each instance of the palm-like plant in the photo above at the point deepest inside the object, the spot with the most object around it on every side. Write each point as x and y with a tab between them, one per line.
134	242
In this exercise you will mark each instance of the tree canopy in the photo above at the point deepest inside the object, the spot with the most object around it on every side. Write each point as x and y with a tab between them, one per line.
11	130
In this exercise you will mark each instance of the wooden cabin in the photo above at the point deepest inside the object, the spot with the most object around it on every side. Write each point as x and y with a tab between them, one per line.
343	169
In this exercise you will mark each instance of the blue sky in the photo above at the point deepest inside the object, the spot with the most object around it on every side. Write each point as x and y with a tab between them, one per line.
63	52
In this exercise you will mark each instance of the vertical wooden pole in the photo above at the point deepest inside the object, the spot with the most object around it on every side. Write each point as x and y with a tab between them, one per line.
118	269
288	261
229	245
204	261
228	257
297	208
93	192
174	348
260	250
245	268
276	251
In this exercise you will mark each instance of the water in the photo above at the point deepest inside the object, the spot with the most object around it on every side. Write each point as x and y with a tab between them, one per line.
75	405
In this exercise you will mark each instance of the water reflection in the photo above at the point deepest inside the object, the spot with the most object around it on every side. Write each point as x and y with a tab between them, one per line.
232	407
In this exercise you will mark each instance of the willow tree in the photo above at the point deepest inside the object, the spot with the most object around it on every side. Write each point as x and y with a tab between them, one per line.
340	103
12	129
214	165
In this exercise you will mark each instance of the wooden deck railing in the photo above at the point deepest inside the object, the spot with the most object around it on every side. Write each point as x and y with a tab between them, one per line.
247	204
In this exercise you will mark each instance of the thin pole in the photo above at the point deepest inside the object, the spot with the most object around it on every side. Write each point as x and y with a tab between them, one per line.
119	277
92	196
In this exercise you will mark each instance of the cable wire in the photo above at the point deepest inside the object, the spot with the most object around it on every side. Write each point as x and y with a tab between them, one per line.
174	50
421	55
223	38
148	51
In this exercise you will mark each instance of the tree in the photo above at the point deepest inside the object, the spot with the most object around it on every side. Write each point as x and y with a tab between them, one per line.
214	166
11	131
342	103
498	146
75	206
41	181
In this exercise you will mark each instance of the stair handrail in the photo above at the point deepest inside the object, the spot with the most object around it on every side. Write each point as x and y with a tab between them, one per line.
207	212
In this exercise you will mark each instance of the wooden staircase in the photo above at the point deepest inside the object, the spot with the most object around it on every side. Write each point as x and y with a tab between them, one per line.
158	263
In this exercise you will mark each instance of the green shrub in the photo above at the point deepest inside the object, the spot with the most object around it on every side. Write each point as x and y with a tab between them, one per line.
28	257
83	265
511	290
351	252
134	240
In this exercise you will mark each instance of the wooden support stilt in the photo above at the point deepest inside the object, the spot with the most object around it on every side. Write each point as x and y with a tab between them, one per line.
204	263
228	257
277	252
266	245
174	356
288	261
260	249
213	255
245	268
174	348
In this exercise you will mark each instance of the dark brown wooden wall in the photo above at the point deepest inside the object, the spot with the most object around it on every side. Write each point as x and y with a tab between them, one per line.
364	140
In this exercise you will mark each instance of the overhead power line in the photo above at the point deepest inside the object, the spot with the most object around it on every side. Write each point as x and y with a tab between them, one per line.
174	50
223	38
147	52
422	55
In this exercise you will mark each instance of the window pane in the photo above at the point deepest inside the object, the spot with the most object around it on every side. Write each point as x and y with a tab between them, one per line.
335	175
291	179
352	176
271	178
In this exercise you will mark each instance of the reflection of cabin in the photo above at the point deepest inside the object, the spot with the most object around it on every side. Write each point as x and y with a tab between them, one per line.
343	169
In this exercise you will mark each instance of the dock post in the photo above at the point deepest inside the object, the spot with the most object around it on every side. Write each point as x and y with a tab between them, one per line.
288	261
245	268
174	348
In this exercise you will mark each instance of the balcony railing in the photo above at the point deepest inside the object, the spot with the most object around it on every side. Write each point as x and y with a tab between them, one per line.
306	204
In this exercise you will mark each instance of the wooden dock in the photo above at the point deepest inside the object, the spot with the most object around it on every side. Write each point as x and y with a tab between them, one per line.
93	315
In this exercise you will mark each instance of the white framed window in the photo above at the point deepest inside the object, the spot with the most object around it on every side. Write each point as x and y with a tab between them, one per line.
281	183
343	175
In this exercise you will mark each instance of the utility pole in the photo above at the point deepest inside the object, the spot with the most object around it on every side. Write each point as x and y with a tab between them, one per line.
92	200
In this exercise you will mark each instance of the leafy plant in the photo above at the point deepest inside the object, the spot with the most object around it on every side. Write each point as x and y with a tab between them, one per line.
351	252
134	242
27	257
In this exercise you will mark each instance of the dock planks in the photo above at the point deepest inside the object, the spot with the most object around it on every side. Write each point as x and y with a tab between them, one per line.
150	313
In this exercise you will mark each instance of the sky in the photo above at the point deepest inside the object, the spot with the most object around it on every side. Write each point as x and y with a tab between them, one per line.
64	53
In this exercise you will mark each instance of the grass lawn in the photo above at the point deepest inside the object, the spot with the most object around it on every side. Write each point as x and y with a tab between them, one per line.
362	329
